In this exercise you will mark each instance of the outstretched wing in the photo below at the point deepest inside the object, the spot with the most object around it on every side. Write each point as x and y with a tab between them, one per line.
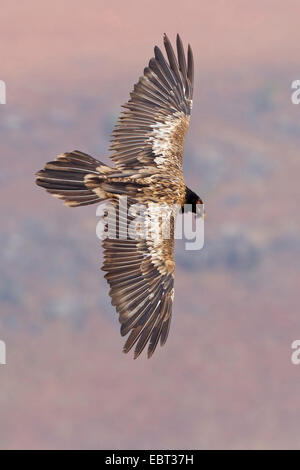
151	131
140	272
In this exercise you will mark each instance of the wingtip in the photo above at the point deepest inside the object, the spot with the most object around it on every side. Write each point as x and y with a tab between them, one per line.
156	51
125	349
190	53
135	356
137	353
149	354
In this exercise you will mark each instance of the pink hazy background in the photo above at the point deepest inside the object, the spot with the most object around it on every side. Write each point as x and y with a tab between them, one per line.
225	378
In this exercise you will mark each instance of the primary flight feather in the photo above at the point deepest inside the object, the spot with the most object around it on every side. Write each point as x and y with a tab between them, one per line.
147	145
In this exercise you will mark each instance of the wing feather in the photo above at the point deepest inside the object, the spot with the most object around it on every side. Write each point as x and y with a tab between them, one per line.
140	273
157	112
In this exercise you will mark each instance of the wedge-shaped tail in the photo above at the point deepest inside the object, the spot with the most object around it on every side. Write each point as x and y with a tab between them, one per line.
66	177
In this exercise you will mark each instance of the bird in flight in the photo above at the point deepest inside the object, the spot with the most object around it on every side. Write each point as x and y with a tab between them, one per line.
147	150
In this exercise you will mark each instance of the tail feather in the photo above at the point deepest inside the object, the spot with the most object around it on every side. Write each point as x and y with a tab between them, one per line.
65	177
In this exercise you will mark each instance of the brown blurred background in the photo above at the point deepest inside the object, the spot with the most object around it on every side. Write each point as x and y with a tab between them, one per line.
225	378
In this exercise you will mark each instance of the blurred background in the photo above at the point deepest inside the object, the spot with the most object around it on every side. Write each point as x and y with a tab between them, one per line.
225	378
